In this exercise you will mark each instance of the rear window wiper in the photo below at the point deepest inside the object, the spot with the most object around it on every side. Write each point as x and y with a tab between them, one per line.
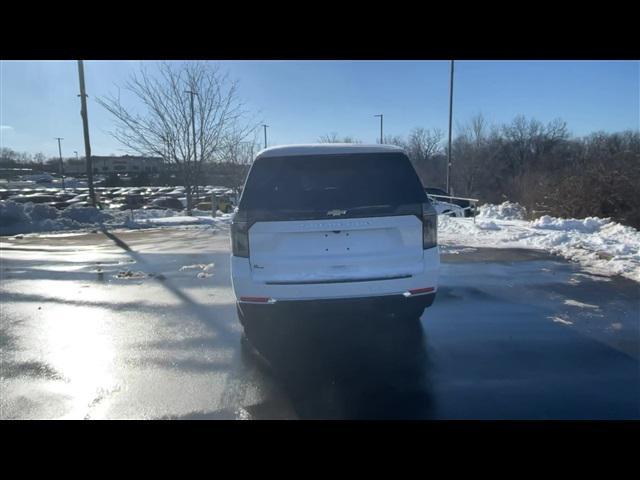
364	207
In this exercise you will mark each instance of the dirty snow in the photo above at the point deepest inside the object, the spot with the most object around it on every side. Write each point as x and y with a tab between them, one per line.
558	319
575	303
17	218
205	267
601	246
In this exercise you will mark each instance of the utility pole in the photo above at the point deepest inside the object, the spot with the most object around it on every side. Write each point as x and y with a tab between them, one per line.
195	156
265	134
76	154
381	137
85	128
450	118
61	164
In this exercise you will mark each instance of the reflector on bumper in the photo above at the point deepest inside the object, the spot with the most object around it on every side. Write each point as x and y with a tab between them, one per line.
257	300
418	291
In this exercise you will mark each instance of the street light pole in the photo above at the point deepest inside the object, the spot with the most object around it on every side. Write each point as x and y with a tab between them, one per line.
61	164
450	119
85	130
265	134
381	137
76	154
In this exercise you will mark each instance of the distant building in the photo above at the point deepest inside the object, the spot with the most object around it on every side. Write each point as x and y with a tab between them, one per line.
123	164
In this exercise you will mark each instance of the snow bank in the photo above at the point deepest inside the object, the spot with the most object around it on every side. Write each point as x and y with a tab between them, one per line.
184	220
587	225
17	218
599	245
26	218
504	211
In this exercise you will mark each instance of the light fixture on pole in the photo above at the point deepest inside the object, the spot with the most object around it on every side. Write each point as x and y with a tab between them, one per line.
381	137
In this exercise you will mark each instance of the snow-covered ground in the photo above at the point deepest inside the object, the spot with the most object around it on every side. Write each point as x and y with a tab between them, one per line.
16	218
599	245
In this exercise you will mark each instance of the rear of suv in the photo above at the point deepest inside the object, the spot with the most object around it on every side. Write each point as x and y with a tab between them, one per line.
336	226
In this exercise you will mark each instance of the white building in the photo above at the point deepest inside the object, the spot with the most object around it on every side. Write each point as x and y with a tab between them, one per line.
123	164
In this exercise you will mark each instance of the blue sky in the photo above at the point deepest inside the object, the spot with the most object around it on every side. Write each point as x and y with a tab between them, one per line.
302	100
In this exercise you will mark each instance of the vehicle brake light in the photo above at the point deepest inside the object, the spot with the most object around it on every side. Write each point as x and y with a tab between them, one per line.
429	226
240	237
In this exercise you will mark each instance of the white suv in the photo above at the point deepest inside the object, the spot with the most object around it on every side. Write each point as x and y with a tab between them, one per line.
343	225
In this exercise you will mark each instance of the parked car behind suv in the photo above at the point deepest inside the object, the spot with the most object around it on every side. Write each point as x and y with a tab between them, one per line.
440	195
335	225
167	203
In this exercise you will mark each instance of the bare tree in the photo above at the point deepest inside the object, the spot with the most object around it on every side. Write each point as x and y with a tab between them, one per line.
396	140
475	150
329	138
239	151
334	138
424	143
166	129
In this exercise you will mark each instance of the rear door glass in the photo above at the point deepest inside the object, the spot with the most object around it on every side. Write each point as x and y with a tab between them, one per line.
325	182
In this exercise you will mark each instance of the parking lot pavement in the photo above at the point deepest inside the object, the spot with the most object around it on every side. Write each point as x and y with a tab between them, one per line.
142	325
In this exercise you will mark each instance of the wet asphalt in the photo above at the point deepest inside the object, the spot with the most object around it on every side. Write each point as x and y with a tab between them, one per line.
142	325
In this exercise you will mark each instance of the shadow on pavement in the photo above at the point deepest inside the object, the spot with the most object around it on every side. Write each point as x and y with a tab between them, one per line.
200	310
352	367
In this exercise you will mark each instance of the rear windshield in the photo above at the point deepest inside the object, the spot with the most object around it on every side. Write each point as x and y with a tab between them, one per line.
332	182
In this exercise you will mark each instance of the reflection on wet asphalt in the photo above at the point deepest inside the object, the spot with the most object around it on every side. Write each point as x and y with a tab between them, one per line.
127	325
350	367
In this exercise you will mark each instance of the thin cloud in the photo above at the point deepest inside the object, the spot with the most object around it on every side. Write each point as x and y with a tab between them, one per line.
6	127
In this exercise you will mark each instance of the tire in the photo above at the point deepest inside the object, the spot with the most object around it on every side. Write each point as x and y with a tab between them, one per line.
415	313
252	328
251	353
240	315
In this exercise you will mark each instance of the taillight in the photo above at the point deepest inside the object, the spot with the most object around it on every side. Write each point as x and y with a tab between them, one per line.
429	226
240	237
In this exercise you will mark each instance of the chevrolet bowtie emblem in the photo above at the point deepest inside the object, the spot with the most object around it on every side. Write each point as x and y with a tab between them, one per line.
335	213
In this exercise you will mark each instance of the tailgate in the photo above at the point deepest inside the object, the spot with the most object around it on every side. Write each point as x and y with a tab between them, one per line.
328	251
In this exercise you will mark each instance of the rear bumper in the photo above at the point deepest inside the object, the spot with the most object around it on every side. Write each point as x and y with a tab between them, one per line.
382	305
245	286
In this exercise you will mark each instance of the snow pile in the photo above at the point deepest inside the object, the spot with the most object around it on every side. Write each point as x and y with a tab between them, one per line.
168	218
599	245
84	214
587	225
504	211
25	218
17	218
